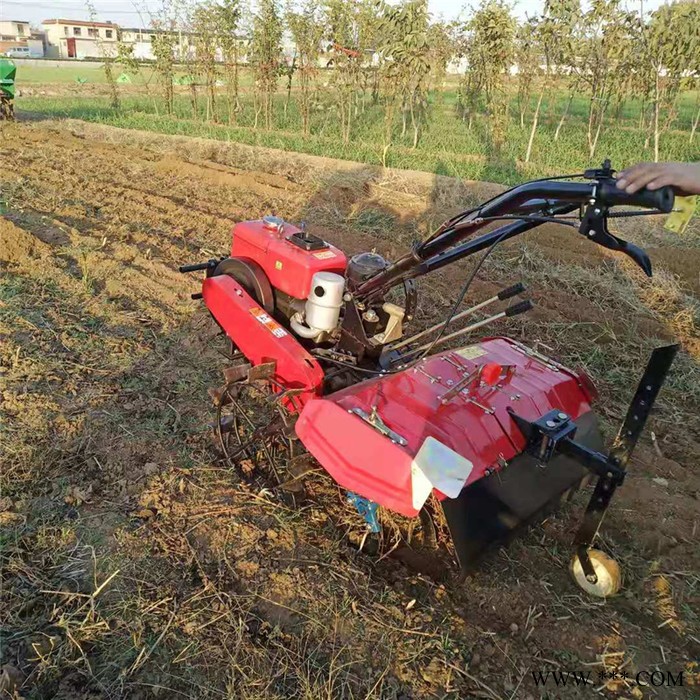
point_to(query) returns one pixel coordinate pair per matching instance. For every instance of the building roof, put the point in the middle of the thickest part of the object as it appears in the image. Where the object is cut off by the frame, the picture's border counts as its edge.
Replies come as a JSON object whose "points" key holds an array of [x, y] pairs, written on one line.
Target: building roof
{"points": [[80, 23]]}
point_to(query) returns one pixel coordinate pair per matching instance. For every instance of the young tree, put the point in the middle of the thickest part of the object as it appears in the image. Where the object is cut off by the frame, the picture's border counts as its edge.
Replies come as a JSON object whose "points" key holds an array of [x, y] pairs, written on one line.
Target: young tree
{"points": [[205, 26], [527, 60], [553, 38], [341, 32], [307, 32], [490, 54], [406, 66], [368, 39], [108, 59], [228, 22], [606, 64], [441, 49], [671, 46], [265, 57], [163, 44]]}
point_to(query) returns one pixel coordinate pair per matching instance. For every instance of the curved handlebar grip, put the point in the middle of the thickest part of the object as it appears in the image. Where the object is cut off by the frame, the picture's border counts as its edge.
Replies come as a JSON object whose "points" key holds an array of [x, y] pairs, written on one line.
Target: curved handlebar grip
{"points": [[662, 199], [520, 308], [511, 291]]}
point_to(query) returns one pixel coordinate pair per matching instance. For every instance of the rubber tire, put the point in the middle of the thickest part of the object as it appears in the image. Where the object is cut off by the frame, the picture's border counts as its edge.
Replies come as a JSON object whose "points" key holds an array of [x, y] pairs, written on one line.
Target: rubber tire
{"points": [[251, 277]]}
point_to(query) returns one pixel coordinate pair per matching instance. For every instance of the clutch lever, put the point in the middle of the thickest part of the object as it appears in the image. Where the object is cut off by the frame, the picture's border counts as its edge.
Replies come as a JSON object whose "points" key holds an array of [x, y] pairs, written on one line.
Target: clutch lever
{"points": [[594, 225]]}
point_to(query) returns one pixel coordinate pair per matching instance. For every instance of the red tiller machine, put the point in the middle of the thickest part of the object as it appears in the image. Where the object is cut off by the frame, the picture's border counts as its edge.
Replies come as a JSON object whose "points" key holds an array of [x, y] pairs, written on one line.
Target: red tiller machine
{"points": [[473, 441]]}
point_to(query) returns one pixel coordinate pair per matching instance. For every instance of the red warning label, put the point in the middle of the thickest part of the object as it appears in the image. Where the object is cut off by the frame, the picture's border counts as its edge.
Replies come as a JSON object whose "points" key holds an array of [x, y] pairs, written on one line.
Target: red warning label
{"points": [[268, 322]]}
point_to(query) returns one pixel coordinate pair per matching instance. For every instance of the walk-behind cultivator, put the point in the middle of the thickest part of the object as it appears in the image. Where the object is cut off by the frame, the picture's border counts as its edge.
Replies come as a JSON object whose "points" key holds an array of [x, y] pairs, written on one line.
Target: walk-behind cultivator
{"points": [[456, 449]]}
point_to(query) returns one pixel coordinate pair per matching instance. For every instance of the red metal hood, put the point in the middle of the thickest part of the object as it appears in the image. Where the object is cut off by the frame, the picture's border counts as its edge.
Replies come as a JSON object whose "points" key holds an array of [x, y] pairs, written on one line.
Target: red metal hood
{"points": [[421, 402]]}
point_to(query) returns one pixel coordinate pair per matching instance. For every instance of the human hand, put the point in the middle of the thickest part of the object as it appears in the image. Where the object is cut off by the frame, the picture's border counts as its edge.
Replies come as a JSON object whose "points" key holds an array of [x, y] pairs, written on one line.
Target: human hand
{"points": [[683, 177]]}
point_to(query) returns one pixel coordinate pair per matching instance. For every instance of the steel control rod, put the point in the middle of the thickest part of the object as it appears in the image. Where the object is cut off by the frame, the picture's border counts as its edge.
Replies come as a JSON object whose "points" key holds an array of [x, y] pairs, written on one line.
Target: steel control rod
{"points": [[507, 293]]}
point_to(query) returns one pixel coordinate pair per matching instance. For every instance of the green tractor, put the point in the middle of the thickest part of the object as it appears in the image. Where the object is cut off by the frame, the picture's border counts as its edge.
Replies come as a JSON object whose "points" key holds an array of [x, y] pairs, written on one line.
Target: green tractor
{"points": [[7, 89]]}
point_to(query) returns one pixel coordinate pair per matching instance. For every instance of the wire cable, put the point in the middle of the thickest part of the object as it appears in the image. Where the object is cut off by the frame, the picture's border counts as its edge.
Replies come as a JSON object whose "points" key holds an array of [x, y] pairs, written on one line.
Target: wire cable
{"points": [[460, 297]]}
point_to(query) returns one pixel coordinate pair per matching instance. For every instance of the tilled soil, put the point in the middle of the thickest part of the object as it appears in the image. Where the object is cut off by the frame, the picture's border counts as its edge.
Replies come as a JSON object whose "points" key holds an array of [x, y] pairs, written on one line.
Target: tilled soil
{"points": [[136, 564]]}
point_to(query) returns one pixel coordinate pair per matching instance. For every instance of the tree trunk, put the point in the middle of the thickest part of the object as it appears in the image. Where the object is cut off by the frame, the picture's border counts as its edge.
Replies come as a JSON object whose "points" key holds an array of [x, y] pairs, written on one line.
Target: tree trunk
{"points": [[696, 121], [535, 119], [415, 127], [193, 100], [656, 118], [564, 116], [594, 145], [589, 133]]}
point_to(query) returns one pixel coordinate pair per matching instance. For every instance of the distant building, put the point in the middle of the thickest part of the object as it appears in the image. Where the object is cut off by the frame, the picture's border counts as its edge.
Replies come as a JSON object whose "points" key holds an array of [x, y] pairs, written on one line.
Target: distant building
{"points": [[15, 34], [71, 38], [142, 41]]}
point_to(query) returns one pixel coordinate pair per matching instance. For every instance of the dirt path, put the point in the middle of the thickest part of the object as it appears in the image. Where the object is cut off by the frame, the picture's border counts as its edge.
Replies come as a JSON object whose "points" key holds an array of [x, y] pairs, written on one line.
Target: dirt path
{"points": [[136, 566]]}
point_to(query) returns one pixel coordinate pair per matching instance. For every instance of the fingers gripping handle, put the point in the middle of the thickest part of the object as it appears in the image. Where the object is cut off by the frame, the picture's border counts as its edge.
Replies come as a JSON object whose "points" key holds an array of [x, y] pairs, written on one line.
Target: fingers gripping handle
{"points": [[661, 199]]}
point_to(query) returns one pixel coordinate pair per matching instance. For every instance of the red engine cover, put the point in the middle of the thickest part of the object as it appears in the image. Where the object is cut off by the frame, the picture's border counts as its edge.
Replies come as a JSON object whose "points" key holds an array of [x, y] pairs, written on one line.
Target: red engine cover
{"points": [[415, 404], [288, 267]]}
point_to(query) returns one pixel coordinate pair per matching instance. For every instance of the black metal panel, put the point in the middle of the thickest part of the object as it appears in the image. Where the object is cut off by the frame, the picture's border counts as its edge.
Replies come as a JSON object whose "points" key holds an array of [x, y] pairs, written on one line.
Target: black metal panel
{"points": [[490, 510]]}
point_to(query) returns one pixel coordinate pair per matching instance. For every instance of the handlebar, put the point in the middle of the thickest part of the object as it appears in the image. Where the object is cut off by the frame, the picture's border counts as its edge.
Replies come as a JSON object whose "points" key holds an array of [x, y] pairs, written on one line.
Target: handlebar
{"points": [[604, 191], [196, 267], [548, 198], [661, 199]]}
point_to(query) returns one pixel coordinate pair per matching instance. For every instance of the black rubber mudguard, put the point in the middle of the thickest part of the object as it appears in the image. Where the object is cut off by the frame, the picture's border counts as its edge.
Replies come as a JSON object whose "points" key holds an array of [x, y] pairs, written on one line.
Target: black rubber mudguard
{"points": [[491, 510]]}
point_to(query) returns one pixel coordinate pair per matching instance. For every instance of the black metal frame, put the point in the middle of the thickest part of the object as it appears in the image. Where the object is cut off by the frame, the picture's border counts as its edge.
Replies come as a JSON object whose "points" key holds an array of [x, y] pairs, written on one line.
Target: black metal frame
{"points": [[553, 434]]}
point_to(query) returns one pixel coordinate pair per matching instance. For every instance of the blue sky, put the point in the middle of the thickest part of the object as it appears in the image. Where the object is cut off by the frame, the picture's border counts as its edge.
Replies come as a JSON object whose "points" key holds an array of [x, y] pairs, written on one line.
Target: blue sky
{"points": [[124, 12]]}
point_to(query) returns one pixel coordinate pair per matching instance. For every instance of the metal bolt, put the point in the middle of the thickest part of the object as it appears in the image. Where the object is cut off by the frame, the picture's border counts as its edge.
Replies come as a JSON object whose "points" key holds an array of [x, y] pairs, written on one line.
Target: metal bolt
{"points": [[592, 578], [562, 416], [596, 211], [592, 233], [550, 424]]}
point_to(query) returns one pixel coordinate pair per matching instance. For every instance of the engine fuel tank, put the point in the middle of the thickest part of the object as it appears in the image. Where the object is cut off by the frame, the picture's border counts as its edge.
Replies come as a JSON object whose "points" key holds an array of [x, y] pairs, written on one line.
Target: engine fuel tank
{"points": [[289, 257]]}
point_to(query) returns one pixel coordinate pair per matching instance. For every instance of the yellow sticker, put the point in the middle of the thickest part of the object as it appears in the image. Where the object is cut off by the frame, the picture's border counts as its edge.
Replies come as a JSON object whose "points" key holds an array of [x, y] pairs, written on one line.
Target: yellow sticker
{"points": [[471, 352], [278, 264], [684, 208], [324, 254]]}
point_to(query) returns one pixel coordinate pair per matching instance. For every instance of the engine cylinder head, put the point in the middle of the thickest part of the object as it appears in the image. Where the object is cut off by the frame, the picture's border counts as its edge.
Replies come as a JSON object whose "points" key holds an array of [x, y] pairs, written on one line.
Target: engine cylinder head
{"points": [[363, 266]]}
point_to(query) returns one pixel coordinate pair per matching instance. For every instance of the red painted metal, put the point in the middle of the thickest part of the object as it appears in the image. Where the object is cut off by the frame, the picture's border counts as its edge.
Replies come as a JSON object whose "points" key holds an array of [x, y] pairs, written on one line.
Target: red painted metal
{"points": [[288, 267], [415, 404], [259, 337]]}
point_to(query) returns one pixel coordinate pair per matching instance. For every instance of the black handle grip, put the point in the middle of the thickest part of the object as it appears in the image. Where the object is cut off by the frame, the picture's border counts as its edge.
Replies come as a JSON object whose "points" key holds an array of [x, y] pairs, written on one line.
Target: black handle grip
{"points": [[197, 266], [511, 291], [520, 308], [662, 199]]}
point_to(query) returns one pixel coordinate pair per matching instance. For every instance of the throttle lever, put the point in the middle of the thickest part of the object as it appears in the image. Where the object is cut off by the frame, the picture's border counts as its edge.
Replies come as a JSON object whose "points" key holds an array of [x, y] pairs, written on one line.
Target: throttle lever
{"points": [[594, 225]]}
